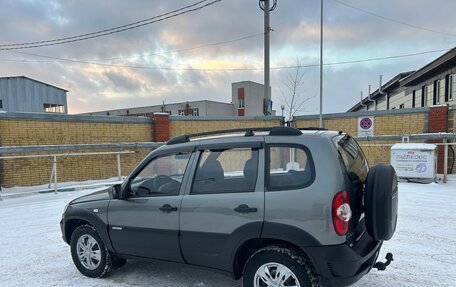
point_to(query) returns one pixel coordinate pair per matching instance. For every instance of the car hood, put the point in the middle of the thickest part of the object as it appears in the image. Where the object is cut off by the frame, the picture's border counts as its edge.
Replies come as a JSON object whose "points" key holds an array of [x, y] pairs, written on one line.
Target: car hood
{"points": [[96, 196]]}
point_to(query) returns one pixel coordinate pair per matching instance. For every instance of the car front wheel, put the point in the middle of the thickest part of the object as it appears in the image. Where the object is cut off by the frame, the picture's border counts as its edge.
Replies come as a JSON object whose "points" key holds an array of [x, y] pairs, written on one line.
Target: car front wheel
{"points": [[89, 252]]}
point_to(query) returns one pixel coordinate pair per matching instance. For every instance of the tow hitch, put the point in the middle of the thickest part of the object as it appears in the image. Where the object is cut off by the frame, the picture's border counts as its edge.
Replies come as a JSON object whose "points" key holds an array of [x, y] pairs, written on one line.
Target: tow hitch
{"points": [[382, 266]]}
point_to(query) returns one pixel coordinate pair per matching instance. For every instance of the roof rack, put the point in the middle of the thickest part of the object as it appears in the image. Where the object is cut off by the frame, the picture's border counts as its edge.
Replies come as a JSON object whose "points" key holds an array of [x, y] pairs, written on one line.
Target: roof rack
{"points": [[273, 131]]}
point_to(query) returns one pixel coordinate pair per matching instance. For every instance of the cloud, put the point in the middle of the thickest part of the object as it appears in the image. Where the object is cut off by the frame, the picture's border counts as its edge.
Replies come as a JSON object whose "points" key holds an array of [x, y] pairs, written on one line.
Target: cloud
{"points": [[349, 35]]}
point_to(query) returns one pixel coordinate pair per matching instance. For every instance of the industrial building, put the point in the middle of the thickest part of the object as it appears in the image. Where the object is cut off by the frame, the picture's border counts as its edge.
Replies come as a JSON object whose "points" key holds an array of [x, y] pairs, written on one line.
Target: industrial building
{"points": [[246, 100], [22, 94], [432, 84]]}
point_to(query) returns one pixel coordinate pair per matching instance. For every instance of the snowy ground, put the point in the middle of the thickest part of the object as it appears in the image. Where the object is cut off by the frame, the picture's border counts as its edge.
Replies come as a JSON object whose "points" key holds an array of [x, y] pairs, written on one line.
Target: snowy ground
{"points": [[32, 252]]}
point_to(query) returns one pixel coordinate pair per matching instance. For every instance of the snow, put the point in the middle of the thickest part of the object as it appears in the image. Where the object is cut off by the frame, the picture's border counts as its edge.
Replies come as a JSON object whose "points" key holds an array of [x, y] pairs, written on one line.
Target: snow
{"points": [[67, 186], [32, 252]]}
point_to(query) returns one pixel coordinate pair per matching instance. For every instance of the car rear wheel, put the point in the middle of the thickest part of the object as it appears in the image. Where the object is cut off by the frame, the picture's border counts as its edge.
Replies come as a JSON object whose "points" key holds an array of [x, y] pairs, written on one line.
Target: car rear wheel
{"points": [[381, 202], [278, 267], [89, 252]]}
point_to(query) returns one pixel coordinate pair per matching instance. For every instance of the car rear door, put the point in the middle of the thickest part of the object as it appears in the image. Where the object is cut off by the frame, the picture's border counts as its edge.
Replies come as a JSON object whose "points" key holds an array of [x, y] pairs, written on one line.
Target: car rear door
{"points": [[223, 207]]}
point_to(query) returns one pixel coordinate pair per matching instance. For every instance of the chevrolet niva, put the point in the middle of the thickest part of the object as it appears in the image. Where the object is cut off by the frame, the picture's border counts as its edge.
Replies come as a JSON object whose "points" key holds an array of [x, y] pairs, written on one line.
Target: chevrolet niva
{"points": [[274, 206]]}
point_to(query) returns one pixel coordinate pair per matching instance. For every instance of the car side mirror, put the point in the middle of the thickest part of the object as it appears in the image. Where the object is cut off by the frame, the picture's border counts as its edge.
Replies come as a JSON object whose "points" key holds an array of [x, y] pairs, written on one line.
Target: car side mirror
{"points": [[114, 191]]}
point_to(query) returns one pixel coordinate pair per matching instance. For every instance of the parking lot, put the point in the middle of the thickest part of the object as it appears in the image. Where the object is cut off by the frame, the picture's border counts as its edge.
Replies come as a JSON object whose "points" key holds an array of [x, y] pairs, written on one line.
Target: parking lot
{"points": [[32, 252]]}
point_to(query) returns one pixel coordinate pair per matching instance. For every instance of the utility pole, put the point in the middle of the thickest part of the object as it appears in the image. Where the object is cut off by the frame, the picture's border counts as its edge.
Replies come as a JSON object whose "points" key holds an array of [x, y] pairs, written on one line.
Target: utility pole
{"points": [[321, 64], [264, 5]]}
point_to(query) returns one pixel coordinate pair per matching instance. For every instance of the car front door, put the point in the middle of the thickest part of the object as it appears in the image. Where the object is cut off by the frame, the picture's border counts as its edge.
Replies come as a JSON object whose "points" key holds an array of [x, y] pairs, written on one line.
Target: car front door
{"points": [[146, 222], [224, 205]]}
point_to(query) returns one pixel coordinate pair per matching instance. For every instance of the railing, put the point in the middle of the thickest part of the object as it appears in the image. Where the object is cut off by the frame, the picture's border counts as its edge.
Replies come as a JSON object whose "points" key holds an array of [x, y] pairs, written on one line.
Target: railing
{"points": [[55, 151]]}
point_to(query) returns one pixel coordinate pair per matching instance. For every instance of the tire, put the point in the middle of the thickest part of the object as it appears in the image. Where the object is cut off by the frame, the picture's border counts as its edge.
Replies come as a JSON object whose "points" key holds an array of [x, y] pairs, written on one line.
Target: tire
{"points": [[295, 267], [381, 202], [89, 253]]}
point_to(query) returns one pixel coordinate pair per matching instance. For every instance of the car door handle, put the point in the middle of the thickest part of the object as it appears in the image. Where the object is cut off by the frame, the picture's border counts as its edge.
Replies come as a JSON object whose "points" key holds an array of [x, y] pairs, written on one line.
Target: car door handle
{"points": [[244, 208], [168, 208]]}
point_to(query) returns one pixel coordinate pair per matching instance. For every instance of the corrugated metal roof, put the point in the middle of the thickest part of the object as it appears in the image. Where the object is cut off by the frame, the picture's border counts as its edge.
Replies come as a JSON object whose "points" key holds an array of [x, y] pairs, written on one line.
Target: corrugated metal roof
{"points": [[24, 77]]}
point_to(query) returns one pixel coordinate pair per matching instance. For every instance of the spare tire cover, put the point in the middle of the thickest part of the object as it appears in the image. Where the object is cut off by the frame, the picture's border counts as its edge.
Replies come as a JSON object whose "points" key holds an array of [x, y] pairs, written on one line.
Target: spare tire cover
{"points": [[381, 202]]}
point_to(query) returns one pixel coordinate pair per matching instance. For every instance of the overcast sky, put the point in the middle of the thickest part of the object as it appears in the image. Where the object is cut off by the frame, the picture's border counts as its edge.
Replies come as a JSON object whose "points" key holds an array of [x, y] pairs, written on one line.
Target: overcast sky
{"points": [[164, 61]]}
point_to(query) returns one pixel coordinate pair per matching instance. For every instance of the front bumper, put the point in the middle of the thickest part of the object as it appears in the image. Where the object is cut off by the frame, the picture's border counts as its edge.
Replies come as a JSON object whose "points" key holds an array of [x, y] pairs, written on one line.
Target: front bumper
{"points": [[62, 229], [342, 265]]}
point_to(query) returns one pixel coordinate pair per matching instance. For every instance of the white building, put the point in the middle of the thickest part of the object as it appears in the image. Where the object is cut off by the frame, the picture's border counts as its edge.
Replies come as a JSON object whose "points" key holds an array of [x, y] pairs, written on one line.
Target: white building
{"points": [[246, 100], [432, 84]]}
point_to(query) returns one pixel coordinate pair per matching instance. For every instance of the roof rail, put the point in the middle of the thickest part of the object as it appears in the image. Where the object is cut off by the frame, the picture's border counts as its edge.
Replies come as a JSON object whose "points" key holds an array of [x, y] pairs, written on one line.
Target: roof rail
{"points": [[273, 131], [312, 129]]}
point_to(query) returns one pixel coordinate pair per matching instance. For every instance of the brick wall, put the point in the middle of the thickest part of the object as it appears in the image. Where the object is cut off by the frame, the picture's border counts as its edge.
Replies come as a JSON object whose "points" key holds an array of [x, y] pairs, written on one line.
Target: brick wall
{"points": [[25, 129], [438, 122], [161, 127], [39, 129]]}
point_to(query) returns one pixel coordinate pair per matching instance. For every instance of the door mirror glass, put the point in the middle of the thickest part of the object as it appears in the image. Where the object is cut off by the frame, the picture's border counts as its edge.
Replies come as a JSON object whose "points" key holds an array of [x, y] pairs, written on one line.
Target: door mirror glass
{"points": [[114, 191]]}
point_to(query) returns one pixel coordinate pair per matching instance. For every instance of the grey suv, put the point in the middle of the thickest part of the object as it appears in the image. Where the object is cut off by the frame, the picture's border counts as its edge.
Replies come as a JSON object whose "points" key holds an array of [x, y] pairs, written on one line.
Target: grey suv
{"points": [[277, 206]]}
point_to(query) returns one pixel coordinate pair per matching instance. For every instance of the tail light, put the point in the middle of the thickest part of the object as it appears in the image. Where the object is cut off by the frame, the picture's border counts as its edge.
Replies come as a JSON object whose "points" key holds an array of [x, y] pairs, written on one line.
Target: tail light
{"points": [[341, 212]]}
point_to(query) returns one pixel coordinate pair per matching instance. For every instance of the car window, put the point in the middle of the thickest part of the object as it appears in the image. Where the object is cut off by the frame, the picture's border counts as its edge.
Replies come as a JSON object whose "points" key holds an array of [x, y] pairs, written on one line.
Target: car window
{"points": [[226, 171], [289, 167], [161, 176], [353, 157]]}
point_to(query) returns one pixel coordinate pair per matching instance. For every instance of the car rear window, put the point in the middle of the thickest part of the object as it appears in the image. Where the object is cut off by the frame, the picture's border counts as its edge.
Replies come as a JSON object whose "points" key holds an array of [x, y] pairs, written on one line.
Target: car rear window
{"points": [[289, 167], [353, 157]]}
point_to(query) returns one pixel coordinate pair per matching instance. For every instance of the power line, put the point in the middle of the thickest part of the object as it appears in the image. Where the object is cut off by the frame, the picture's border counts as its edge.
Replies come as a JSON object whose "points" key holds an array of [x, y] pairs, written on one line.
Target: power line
{"points": [[238, 69], [188, 49], [102, 31], [148, 54], [155, 19], [393, 20]]}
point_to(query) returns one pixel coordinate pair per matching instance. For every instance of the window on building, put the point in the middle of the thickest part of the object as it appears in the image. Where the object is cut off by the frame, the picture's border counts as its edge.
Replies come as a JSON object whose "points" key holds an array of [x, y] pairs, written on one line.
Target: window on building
{"points": [[423, 96], [448, 88], [53, 108], [1, 104], [241, 103], [436, 93], [188, 112], [413, 99]]}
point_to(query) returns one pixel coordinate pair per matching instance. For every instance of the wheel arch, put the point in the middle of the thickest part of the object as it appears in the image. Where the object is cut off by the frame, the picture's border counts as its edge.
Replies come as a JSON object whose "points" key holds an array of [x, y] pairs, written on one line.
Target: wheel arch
{"points": [[78, 217], [249, 247]]}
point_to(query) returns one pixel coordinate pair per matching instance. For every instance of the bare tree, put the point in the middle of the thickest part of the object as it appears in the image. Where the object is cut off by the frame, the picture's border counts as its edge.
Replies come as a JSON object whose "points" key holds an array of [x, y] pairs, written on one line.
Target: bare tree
{"points": [[293, 97]]}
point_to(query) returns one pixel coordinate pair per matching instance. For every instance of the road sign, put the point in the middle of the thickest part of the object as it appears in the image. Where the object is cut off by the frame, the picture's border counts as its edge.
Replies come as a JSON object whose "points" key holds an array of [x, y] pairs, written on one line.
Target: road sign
{"points": [[365, 126]]}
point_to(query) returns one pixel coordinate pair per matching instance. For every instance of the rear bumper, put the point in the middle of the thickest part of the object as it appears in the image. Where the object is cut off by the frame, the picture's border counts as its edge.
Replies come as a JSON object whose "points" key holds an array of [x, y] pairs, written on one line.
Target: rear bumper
{"points": [[342, 265]]}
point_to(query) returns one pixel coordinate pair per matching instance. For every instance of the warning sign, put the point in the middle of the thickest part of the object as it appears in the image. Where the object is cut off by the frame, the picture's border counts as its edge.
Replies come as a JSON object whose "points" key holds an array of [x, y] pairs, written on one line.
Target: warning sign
{"points": [[365, 126]]}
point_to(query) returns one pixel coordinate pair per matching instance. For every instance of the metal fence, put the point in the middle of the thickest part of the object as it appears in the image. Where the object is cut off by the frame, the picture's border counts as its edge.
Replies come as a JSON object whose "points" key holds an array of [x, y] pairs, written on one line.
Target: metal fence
{"points": [[82, 150]]}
